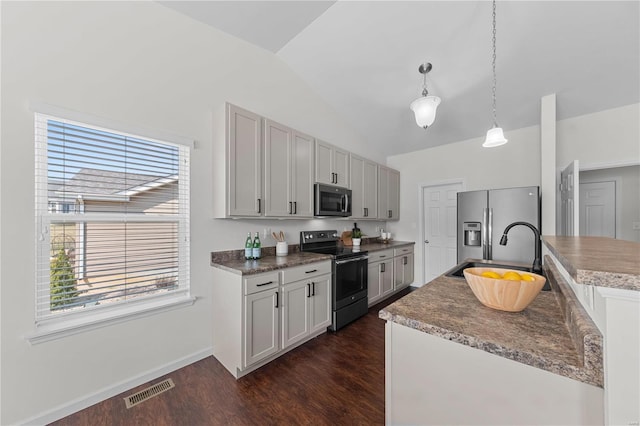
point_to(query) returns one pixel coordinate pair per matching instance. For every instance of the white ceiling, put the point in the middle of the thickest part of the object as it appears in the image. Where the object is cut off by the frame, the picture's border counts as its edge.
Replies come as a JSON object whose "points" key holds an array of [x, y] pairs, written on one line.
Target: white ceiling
{"points": [[362, 58]]}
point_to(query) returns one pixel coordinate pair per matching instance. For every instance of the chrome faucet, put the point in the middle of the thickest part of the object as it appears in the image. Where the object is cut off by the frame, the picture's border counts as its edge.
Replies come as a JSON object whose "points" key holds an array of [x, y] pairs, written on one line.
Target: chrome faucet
{"points": [[537, 263]]}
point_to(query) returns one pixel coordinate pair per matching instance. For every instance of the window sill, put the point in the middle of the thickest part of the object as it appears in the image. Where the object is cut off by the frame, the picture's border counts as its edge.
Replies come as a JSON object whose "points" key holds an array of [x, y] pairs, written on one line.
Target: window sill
{"points": [[58, 329]]}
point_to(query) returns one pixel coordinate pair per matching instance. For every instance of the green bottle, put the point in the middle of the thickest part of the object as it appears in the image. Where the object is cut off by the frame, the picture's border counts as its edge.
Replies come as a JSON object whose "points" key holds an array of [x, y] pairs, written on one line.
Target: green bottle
{"points": [[248, 247], [256, 247]]}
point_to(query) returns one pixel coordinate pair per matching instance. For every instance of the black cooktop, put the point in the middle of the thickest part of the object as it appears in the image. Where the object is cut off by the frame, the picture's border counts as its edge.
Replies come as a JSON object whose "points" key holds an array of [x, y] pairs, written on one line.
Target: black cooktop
{"points": [[327, 242], [339, 251]]}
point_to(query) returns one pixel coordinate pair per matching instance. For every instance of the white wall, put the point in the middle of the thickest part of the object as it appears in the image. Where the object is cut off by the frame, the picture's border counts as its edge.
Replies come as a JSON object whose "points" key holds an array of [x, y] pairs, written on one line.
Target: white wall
{"points": [[602, 139], [515, 164], [143, 64]]}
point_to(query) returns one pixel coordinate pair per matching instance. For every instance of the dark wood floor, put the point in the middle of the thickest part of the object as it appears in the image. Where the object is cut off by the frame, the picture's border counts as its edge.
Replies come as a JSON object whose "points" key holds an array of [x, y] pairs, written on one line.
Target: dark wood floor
{"points": [[335, 379]]}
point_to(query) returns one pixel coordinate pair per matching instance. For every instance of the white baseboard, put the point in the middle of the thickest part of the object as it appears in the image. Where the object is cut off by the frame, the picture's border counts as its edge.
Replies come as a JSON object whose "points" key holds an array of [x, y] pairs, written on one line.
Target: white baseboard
{"points": [[106, 393]]}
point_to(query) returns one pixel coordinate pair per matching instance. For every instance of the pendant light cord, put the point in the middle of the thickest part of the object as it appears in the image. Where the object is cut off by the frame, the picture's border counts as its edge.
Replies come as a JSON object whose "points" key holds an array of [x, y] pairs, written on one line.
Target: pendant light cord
{"points": [[495, 121], [424, 83]]}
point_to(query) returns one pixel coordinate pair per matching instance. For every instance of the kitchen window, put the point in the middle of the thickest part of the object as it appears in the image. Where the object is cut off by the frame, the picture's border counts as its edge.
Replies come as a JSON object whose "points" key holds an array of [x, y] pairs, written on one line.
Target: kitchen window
{"points": [[112, 224]]}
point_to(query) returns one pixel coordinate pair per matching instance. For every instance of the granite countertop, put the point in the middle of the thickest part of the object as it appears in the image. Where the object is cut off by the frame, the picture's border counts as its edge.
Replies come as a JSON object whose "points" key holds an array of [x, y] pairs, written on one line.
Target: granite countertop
{"points": [[374, 245], [599, 261], [270, 262], [553, 333], [234, 261]]}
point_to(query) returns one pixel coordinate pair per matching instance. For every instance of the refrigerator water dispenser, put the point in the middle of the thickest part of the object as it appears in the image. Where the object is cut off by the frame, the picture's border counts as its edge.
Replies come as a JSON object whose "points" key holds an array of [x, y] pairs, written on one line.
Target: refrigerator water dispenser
{"points": [[472, 234]]}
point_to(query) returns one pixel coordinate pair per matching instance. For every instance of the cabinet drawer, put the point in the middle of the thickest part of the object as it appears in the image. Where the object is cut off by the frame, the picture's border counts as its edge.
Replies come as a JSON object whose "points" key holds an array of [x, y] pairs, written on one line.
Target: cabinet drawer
{"points": [[256, 283], [402, 250], [377, 256], [298, 273]]}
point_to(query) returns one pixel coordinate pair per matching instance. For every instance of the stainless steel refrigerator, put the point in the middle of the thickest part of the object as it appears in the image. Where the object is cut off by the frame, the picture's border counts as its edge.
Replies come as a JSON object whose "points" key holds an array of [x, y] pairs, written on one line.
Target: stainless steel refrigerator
{"points": [[483, 216]]}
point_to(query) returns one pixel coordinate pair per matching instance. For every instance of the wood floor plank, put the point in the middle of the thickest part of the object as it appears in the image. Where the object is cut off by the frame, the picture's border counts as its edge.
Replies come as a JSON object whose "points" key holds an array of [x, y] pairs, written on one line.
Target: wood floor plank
{"points": [[335, 379]]}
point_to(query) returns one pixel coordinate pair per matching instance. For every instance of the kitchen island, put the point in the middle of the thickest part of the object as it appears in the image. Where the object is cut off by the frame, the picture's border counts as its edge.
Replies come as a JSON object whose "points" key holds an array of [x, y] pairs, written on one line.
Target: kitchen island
{"points": [[451, 360], [604, 274]]}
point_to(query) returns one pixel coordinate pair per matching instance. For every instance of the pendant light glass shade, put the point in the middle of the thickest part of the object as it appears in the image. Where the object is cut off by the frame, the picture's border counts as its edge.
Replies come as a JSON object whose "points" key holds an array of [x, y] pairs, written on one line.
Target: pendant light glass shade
{"points": [[425, 110], [495, 137]]}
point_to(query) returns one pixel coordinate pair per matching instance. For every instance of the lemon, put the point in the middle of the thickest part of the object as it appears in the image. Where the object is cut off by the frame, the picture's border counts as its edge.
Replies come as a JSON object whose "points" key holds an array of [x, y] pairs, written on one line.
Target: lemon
{"points": [[491, 274], [526, 277], [512, 276]]}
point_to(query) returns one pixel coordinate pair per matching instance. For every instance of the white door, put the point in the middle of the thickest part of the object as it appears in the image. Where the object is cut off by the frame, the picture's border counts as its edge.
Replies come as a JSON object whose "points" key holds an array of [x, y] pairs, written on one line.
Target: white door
{"points": [[598, 209], [569, 200], [439, 228]]}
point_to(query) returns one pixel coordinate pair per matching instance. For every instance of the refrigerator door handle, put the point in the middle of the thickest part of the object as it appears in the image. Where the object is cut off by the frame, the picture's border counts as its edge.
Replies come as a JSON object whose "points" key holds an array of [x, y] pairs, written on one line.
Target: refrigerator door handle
{"points": [[485, 245], [490, 234]]}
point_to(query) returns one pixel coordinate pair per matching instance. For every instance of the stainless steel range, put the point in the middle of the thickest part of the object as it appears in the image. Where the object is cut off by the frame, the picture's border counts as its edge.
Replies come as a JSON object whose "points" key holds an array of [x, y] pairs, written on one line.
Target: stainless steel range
{"points": [[349, 275]]}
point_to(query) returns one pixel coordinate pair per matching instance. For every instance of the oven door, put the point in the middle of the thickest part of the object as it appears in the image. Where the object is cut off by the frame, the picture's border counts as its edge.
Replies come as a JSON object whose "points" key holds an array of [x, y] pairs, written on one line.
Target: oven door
{"points": [[332, 201], [349, 280]]}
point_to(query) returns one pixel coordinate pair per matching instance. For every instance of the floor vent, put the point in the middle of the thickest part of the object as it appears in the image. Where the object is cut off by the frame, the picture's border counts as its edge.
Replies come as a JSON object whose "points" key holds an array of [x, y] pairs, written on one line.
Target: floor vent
{"points": [[148, 393]]}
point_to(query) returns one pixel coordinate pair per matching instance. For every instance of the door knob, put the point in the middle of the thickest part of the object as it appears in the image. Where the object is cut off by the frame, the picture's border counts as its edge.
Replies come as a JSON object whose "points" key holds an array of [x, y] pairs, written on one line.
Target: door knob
{"points": [[426, 241]]}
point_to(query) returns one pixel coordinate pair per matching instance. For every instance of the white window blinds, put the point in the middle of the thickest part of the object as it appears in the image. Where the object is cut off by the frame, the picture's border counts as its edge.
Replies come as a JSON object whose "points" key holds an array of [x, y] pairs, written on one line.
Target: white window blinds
{"points": [[112, 218]]}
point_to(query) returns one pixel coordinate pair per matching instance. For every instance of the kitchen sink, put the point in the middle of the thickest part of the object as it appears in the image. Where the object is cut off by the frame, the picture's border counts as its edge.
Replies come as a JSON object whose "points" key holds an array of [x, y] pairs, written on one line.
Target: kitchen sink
{"points": [[457, 271]]}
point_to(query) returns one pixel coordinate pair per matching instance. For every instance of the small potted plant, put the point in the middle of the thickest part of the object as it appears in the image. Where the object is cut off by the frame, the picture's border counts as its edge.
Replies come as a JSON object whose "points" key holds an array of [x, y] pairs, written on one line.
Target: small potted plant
{"points": [[356, 236]]}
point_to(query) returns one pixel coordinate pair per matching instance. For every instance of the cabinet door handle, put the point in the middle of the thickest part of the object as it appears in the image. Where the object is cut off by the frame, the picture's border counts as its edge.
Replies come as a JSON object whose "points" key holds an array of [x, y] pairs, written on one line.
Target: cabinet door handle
{"points": [[259, 206], [277, 299], [290, 207], [313, 286], [311, 271], [366, 213], [382, 267], [308, 290], [267, 283], [404, 260], [389, 213], [295, 207], [382, 255]]}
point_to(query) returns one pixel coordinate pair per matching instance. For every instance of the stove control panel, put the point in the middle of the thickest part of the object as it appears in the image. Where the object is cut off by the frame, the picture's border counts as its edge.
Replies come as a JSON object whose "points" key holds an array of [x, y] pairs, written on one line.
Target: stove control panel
{"points": [[318, 236]]}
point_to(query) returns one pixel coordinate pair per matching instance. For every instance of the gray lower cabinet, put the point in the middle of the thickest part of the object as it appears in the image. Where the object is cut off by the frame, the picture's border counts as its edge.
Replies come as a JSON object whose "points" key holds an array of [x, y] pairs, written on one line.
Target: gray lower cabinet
{"points": [[261, 326], [380, 283], [258, 317], [306, 302], [402, 267]]}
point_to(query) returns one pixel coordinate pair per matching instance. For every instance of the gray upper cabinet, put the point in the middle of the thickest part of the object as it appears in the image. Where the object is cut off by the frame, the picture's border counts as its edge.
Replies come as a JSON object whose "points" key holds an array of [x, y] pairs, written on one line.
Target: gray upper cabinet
{"points": [[288, 169], [267, 169], [244, 162], [364, 185], [332, 164], [302, 164], [388, 193]]}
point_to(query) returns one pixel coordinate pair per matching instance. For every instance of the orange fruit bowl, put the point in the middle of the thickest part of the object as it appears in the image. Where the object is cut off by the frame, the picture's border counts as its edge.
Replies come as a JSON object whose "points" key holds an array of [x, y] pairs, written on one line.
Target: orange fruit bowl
{"points": [[504, 289]]}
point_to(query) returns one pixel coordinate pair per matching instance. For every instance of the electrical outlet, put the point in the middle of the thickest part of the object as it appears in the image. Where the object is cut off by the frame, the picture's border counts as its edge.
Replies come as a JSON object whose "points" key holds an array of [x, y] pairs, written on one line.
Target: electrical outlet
{"points": [[266, 232], [636, 226]]}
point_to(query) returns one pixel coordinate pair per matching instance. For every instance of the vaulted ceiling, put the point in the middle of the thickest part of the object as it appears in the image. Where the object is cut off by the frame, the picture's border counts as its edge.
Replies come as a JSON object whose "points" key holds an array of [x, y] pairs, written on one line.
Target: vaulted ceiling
{"points": [[362, 58]]}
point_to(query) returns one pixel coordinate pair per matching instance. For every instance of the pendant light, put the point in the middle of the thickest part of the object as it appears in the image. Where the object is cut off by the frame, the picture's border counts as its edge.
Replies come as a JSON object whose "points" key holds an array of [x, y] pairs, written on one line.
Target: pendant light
{"points": [[495, 136], [425, 107]]}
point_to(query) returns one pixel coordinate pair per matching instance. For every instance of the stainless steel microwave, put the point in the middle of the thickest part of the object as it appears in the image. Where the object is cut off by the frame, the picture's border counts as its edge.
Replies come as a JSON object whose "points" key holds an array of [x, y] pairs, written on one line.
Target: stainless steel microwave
{"points": [[332, 201]]}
